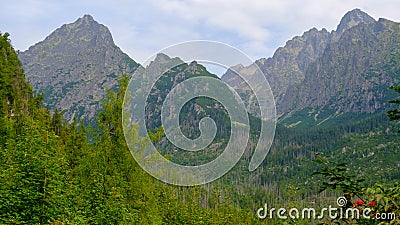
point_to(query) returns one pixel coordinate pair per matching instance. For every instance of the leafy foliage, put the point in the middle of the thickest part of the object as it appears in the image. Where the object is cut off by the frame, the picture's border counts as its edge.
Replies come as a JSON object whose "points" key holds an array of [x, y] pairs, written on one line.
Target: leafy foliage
{"points": [[383, 201], [338, 178]]}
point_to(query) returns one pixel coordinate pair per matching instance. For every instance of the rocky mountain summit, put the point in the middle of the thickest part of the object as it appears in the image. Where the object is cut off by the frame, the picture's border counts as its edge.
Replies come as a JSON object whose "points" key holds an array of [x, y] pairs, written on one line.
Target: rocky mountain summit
{"points": [[75, 65], [347, 70], [354, 73], [353, 18]]}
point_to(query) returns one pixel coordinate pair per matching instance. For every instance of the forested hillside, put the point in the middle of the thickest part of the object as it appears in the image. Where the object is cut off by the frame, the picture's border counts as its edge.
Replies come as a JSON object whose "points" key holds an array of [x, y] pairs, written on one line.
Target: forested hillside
{"points": [[51, 174]]}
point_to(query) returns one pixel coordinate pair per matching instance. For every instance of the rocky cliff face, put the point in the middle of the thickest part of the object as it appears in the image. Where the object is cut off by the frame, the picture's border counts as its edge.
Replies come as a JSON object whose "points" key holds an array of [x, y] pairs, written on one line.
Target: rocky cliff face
{"points": [[347, 70], [353, 73], [75, 65], [288, 65]]}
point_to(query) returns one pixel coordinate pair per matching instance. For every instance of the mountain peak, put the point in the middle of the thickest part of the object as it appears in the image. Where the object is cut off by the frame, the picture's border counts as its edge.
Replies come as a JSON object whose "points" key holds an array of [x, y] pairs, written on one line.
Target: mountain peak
{"points": [[86, 20], [353, 18], [84, 33], [81, 56], [87, 23], [162, 61], [162, 57], [87, 17]]}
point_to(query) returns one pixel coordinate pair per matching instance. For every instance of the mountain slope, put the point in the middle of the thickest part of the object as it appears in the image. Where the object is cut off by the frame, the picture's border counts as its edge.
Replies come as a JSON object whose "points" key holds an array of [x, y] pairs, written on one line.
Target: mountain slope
{"points": [[74, 66], [353, 74], [343, 71], [194, 110], [288, 65]]}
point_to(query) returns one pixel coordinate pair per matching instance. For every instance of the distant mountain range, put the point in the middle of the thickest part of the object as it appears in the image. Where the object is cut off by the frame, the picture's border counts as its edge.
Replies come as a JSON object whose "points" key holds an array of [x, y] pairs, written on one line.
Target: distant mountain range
{"points": [[322, 75], [318, 76]]}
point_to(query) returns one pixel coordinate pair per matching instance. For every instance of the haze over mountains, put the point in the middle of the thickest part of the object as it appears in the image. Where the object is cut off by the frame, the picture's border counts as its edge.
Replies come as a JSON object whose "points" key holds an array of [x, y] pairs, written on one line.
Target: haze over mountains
{"points": [[318, 73]]}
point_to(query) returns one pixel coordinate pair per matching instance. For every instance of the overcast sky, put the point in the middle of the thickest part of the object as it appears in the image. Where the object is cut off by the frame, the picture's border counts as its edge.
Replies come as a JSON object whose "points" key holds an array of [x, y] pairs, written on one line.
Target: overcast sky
{"points": [[141, 28]]}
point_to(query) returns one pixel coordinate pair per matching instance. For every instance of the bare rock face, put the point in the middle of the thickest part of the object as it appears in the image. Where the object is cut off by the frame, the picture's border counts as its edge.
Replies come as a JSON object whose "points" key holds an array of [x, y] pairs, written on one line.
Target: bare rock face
{"points": [[347, 70], [353, 18], [354, 73], [288, 65], [75, 65]]}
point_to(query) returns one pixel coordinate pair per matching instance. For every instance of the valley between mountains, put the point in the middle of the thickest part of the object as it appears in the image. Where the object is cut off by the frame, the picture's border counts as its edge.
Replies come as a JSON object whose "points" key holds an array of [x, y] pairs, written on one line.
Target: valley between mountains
{"points": [[64, 158]]}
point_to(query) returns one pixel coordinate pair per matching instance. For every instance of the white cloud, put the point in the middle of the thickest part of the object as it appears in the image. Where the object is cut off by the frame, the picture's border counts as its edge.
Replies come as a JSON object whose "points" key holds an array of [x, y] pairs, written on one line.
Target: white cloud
{"points": [[264, 25]]}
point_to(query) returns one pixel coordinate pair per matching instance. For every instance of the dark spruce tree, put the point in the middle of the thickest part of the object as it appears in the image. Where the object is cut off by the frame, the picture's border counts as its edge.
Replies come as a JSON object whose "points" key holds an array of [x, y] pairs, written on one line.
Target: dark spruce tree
{"points": [[394, 114]]}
